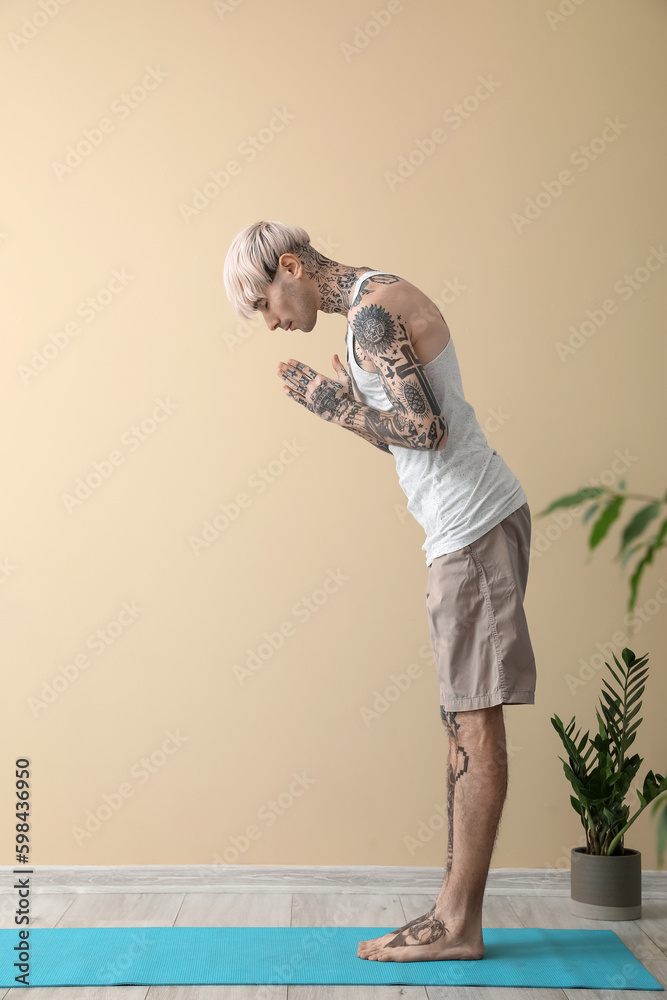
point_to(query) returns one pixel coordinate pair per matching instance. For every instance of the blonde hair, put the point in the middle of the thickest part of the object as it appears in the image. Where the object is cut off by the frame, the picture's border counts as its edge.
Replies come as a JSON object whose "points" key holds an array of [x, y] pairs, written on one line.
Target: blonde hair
{"points": [[252, 261]]}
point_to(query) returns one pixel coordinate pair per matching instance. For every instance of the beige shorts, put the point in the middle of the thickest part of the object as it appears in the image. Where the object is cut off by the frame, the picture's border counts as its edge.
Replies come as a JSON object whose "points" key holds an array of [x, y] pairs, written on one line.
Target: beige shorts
{"points": [[479, 633]]}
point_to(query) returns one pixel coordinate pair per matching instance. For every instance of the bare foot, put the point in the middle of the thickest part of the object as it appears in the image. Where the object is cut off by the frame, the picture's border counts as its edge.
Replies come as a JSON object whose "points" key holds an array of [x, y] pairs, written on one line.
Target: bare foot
{"points": [[426, 938]]}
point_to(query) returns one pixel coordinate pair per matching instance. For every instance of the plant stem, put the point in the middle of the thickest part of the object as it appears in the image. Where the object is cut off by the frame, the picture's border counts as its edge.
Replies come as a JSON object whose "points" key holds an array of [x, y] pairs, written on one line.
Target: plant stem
{"points": [[634, 496]]}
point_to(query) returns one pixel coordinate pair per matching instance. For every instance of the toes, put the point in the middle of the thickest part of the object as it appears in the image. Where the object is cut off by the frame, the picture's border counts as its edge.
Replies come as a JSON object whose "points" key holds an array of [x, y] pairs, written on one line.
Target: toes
{"points": [[370, 954], [373, 944]]}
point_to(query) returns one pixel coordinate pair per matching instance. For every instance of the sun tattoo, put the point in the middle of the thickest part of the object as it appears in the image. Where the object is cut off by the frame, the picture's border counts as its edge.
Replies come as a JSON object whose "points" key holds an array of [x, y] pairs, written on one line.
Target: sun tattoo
{"points": [[374, 328]]}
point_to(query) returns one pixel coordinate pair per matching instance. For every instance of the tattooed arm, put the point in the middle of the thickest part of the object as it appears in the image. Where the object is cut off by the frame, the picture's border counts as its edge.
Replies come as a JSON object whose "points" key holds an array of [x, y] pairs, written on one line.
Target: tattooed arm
{"points": [[345, 382], [382, 445], [329, 400], [415, 420], [380, 427]]}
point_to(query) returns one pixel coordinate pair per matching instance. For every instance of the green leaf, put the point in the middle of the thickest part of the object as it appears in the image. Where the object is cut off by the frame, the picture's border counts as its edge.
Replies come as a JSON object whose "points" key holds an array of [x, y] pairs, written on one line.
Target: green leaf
{"points": [[605, 520], [638, 522], [616, 677], [633, 696], [589, 513], [573, 752], [577, 805], [661, 534], [646, 560], [653, 786], [628, 554], [574, 499], [638, 678]]}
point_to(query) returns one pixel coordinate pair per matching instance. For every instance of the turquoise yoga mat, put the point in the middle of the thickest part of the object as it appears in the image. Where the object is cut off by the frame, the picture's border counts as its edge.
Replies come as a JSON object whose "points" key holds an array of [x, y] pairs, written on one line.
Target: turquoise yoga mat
{"points": [[114, 956]]}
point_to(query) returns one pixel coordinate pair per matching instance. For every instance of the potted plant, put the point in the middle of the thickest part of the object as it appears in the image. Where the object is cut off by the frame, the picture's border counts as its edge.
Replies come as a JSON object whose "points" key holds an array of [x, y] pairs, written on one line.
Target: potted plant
{"points": [[605, 877], [611, 501]]}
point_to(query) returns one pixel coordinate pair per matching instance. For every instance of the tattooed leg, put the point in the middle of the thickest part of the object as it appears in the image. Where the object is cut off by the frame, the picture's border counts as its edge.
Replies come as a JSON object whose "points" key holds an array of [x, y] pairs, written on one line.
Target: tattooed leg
{"points": [[457, 765], [476, 788]]}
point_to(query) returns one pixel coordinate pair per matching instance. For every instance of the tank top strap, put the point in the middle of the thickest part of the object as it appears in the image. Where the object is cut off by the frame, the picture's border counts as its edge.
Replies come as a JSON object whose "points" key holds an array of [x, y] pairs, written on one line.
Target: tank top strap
{"points": [[361, 277]]}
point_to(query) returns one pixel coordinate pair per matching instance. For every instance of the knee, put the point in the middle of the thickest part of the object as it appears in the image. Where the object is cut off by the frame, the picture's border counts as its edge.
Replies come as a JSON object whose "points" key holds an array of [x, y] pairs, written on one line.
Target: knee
{"points": [[484, 725], [484, 728], [479, 720]]}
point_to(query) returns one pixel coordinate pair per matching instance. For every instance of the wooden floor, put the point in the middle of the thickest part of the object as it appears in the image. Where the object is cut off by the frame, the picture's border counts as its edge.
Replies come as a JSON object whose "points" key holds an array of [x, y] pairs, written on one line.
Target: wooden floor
{"points": [[646, 938]]}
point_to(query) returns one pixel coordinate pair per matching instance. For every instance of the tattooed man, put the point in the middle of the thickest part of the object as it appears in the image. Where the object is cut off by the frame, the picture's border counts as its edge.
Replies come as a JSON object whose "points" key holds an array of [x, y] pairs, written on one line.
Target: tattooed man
{"points": [[400, 389]]}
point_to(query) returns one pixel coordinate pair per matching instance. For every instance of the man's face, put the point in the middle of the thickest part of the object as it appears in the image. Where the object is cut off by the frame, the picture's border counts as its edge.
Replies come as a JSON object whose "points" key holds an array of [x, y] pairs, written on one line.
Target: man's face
{"points": [[290, 298]]}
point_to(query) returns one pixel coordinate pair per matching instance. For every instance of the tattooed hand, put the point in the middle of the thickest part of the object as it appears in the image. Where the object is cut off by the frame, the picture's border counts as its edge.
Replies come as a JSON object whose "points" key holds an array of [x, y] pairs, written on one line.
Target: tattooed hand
{"points": [[343, 375], [319, 394]]}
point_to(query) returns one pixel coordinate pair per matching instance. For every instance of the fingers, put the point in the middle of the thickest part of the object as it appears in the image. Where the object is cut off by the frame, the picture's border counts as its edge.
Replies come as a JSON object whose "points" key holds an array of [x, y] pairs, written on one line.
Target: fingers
{"points": [[294, 367], [297, 379], [300, 366], [340, 367]]}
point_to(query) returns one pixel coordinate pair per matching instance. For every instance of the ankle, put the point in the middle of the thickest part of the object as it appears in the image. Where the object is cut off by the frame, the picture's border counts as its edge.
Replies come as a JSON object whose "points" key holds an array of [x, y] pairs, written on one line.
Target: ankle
{"points": [[459, 919]]}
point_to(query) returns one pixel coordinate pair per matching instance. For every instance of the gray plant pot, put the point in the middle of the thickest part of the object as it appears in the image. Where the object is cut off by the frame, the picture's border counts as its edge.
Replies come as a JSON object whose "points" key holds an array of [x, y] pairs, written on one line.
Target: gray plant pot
{"points": [[606, 888]]}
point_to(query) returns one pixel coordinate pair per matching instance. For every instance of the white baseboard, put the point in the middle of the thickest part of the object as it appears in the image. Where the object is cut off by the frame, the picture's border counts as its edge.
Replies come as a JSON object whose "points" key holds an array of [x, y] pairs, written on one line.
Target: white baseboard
{"points": [[294, 878]]}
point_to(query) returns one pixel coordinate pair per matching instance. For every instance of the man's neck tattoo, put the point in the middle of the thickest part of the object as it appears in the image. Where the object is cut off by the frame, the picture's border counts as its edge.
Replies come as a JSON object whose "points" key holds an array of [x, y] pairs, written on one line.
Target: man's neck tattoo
{"points": [[335, 281]]}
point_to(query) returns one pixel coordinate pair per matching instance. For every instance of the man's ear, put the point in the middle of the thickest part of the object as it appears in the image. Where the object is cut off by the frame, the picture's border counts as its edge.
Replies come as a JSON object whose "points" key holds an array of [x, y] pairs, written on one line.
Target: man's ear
{"points": [[290, 262]]}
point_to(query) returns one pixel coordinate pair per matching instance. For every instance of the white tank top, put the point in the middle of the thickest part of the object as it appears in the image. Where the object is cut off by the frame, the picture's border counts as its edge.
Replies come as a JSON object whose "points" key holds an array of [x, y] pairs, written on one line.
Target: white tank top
{"points": [[461, 492]]}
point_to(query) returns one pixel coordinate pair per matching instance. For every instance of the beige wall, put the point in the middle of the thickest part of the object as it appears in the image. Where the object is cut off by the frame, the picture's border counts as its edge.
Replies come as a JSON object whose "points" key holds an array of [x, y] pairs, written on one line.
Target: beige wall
{"points": [[166, 353]]}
